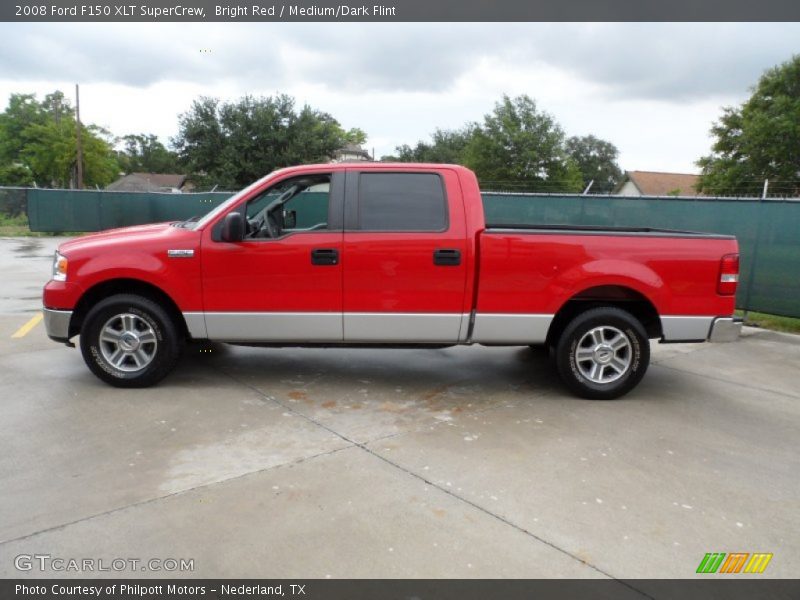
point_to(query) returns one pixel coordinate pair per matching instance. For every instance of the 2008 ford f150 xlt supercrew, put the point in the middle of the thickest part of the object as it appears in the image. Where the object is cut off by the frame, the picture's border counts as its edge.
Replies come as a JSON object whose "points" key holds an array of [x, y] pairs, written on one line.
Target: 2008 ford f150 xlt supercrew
{"points": [[387, 255]]}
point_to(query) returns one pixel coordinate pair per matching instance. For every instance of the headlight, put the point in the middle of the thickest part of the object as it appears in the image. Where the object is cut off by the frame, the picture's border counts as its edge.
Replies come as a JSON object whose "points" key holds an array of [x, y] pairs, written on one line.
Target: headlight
{"points": [[59, 267]]}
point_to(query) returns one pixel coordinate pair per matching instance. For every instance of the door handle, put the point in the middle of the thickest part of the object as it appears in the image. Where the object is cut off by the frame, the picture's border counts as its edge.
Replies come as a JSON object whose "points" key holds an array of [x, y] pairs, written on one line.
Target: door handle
{"points": [[446, 257], [324, 256]]}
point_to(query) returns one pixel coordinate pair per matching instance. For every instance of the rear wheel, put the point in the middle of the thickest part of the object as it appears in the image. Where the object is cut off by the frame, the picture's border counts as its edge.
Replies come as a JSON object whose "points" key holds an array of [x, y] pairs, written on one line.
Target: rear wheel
{"points": [[603, 353], [130, 341]]}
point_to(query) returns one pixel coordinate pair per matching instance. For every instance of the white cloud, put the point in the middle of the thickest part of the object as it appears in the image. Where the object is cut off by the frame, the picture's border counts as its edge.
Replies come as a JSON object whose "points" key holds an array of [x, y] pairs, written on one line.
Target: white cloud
{"points": [[652, 89]]}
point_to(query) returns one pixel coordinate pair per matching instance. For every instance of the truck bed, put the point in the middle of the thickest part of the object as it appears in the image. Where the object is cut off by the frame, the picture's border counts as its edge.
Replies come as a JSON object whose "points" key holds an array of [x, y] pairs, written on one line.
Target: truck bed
{"points": [[527, 273], [599, 230]]}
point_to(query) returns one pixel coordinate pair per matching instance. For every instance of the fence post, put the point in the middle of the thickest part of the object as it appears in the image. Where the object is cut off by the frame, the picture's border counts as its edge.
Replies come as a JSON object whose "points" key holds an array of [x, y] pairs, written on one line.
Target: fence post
{"points": [[755, 251]]}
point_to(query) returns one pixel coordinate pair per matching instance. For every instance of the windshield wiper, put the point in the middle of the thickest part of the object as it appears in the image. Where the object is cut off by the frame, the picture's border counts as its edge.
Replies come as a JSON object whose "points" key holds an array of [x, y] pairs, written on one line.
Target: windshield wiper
{"points": [[185, 224]]}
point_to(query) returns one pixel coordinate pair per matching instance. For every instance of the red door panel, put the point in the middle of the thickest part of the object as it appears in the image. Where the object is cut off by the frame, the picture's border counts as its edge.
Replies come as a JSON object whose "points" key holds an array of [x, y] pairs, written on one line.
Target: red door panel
{"points": [[393, 290], [273, 275]]}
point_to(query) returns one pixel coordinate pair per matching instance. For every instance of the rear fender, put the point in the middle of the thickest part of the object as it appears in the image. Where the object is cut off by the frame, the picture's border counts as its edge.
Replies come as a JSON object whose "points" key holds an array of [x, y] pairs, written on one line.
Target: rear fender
{"points": [[610, 272]]}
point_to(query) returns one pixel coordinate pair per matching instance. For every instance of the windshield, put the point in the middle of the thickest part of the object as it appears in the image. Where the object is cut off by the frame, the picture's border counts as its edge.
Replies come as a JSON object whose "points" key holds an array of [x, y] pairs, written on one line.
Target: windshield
{"points": [[230, 202]]}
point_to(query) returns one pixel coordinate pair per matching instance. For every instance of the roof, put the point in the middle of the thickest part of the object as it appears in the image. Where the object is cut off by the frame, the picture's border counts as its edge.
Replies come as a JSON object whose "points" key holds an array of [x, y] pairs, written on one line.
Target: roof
{"points": [[352, 149], [368, 166], [654, 183], [147, 182]]}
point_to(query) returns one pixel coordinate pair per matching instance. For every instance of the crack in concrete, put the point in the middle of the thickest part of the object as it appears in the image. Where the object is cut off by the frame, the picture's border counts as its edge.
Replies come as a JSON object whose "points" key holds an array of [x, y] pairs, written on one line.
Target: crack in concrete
{"points": [[450, 493], [755, 388], [350, 444], [171, 495]]}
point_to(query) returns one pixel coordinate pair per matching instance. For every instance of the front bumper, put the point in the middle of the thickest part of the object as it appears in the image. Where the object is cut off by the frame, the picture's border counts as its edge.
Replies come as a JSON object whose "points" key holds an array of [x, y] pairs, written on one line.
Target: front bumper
{"points": [[725, 329], [56, 323]]}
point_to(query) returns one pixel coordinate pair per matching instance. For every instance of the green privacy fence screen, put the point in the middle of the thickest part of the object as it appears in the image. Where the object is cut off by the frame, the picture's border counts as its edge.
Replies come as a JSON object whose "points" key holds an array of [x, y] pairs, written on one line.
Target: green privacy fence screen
{"points": [[768, 230], [74, 210]]}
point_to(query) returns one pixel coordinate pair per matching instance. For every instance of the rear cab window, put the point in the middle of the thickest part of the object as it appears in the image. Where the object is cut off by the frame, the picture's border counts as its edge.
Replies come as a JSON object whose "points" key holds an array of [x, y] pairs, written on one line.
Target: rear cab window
{"points": [[401, 202]]}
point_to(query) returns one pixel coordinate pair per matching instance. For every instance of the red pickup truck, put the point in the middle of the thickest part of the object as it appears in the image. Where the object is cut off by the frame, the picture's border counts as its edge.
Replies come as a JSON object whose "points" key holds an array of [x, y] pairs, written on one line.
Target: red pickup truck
{"points": [[387, 255]]}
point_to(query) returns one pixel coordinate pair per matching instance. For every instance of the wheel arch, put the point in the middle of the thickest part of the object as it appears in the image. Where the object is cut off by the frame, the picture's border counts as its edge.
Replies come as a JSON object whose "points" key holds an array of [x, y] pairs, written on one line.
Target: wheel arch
{"points": [[111, 287], [620, 296]]}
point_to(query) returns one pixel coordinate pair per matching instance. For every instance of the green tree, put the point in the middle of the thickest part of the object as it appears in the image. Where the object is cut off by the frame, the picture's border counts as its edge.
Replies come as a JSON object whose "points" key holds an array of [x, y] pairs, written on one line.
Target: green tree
{"points": [[39, 138], [23, 111], [597, 161], [519, 144], [16, 175], [758, 140], [356, 136], [313, 136], [233, 144], [144, 153], [447, 146], [200, 143]]}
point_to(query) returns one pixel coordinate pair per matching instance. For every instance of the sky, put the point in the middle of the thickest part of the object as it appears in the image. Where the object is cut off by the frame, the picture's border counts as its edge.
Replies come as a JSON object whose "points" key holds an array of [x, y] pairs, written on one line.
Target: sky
{"points": [[652, 89]]}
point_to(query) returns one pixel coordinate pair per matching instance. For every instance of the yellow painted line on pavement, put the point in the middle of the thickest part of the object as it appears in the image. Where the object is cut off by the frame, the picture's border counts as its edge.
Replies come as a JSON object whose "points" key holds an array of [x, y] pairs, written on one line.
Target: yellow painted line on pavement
{"points": [[25, 329]]}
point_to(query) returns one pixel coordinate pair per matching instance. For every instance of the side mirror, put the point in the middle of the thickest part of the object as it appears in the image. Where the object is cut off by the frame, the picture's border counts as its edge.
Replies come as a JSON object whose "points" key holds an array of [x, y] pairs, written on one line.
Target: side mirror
{"points": [[232, 227]]}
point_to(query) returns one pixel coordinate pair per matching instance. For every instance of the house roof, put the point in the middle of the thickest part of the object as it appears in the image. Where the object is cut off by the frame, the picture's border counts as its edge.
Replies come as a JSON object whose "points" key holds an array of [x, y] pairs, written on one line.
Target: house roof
{"points": [[147, 182], [654, 183], [351, 149]]}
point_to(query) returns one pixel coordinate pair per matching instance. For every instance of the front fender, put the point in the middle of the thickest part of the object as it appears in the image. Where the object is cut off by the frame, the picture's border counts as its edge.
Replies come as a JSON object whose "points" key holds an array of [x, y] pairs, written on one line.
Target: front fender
{"points": [[178, 278]]}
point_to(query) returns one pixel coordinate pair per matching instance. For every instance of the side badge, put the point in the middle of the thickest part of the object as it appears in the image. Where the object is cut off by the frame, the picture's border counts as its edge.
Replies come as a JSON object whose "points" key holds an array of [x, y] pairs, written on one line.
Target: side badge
{"points": [[180, 253]]}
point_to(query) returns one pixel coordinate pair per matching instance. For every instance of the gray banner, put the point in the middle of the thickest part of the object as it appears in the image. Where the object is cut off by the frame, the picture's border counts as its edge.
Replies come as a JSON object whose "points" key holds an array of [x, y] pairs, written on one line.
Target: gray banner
{"points": [[736, 588], [399, 10]]}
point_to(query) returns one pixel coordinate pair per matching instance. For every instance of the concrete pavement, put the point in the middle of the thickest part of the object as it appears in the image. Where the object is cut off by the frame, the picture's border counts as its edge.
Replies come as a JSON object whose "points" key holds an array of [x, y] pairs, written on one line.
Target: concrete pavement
{"points": [[465, 462]]}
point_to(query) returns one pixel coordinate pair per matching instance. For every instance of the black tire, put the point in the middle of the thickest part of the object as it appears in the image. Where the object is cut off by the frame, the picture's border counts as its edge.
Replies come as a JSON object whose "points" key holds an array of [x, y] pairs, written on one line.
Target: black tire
{"points": [[139, 361], [597, 363], [541, 350]]}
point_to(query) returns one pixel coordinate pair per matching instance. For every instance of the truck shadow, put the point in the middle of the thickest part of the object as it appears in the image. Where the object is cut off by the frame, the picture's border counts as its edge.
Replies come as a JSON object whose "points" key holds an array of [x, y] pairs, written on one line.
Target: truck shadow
{"points": [[390, 379]]}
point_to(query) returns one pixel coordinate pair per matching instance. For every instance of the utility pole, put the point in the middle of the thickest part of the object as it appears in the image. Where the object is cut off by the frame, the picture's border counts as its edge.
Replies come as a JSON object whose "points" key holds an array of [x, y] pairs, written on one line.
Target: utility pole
{"points": [[57, 111], [78, 138]]}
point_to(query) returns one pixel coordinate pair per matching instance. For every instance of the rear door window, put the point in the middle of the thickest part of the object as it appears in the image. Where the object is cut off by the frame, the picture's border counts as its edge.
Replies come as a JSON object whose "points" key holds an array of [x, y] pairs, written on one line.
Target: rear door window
{"points": [[401, 202]]}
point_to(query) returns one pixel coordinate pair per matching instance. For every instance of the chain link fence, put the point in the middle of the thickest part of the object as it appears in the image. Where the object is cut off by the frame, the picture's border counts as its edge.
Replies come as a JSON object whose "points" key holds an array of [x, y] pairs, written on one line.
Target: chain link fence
{"points": [[13, 202]]}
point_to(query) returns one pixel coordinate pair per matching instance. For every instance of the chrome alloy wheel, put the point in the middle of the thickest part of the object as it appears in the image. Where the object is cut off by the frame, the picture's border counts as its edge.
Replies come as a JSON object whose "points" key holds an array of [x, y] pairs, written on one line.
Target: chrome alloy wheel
{"points": [[603, 354], [128, 342]]}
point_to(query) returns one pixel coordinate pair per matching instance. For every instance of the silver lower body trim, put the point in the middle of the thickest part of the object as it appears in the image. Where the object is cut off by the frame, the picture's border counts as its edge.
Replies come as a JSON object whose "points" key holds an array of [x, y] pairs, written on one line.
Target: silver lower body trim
{"points": [[412, 328], [463, 332], [510, 328], [56, 323], [450, 328], [418, 328], [725, 329], [196, 324], [273, 327], [402, 327], [686, 329]]}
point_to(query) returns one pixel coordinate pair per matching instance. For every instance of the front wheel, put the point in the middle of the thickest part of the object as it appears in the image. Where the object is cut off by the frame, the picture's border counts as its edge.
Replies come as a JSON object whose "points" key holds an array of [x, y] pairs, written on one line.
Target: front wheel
{"points": [[130, 341], [603, 353]]}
